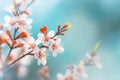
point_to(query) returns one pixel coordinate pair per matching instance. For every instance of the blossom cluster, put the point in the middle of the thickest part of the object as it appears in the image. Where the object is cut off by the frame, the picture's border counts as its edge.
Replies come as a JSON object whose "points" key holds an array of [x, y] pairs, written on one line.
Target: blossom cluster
{"points": [[73, 72], [76, 72], [15, 34]]}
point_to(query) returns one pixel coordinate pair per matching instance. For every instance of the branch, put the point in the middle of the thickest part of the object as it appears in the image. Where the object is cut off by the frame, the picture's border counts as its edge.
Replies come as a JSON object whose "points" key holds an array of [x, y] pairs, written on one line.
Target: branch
{"points": [[7, 57], [29, 53], [15, 33], [11, 48]]}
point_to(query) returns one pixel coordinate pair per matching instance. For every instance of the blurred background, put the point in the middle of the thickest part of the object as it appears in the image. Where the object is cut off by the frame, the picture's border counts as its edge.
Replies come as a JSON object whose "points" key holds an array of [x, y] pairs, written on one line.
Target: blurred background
{"points": [[92, 21]]}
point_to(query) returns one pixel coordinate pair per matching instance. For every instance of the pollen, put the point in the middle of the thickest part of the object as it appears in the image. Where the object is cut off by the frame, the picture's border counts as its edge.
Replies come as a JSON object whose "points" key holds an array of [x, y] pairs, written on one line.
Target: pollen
{"points": [[68, 26]]}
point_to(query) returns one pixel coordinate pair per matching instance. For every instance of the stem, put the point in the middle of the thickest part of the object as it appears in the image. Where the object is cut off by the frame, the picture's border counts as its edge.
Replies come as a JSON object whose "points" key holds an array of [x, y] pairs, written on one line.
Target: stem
{"points": [[29, 53], [10, 47], [7, 57], [32, 1], [15, 33], [1, 54], [17, 60], [43, 46]]}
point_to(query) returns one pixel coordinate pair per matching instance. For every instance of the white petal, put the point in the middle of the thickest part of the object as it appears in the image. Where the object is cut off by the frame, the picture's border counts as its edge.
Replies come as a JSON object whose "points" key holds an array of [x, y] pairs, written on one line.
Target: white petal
{"points": [[43, 50], [7, 19], [28, 26], [24, 16], [29, 21], [30, 40], [1, 31], [50, 48], [82, 63], [38, 42], [60, 76], [54, 53], [39, 61], [99, 65], [88, 55], [9, 8], [60, 50], [58, 40], [44, 61], [41, 37], [51, 34]]}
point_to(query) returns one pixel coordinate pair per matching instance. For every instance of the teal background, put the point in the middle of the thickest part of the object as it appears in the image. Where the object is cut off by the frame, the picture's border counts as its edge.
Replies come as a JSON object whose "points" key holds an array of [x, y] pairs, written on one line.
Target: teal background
{"points": [[92, 21]]}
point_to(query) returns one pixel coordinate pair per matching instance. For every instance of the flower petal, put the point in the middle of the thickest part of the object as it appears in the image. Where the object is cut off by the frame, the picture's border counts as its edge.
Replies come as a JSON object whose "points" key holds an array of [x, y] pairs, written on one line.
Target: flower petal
{"points": [[7, 19], [88, 55], [44, 61], [54, 53], [60, 76], [51, 34], [60, 50], [29, 21], [39, 61]]}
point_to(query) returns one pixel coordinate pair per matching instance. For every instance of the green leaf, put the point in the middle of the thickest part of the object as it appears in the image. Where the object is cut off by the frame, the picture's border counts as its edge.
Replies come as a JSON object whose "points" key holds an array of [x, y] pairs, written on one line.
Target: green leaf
{"points": [[96, 47]]}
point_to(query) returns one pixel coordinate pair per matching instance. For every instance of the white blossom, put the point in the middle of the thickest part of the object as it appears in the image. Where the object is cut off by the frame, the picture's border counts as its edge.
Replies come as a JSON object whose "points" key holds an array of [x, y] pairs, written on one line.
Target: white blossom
{"points": [[94, 60], [20, 21], [41, 56], [56, 47], [45, 39]]}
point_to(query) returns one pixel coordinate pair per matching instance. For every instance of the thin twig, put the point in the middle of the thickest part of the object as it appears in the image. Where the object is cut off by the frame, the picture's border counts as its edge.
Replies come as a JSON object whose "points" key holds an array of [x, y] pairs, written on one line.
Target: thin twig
{"points": [[15, 33], [29, 53], [17, 60], [8, 57], [32, 1], [1, 53], [10, 48]]}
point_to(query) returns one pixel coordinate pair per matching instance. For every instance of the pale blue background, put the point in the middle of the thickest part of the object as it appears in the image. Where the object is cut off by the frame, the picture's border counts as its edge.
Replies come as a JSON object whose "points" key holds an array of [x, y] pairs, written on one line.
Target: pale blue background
{"points": [[92, 21]]}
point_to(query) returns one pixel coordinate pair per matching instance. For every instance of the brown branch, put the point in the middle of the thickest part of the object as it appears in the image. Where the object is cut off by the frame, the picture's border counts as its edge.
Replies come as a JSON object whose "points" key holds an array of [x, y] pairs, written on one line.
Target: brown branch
{"points": [[15, 33], [32, 1], [29, 53], [11, 48], [1, 53], [7, 57]]}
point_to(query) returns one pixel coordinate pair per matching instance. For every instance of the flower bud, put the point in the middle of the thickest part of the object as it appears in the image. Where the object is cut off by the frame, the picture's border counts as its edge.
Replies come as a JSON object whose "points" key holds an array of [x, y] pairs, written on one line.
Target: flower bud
{"points": [[43, 29], [8, 32], [23, 34], [14, 42], [68, 26], [20, 45]]}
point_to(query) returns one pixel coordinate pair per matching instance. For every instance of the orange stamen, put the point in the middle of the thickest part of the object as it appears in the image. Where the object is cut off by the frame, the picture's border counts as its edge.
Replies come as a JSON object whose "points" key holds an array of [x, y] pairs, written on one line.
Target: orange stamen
{"points": [[20, 45], [43, 29], [5, 40], [1, 40], [25, 12], [23, 34], [11, 58], [8, 32], [14, 42]]}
